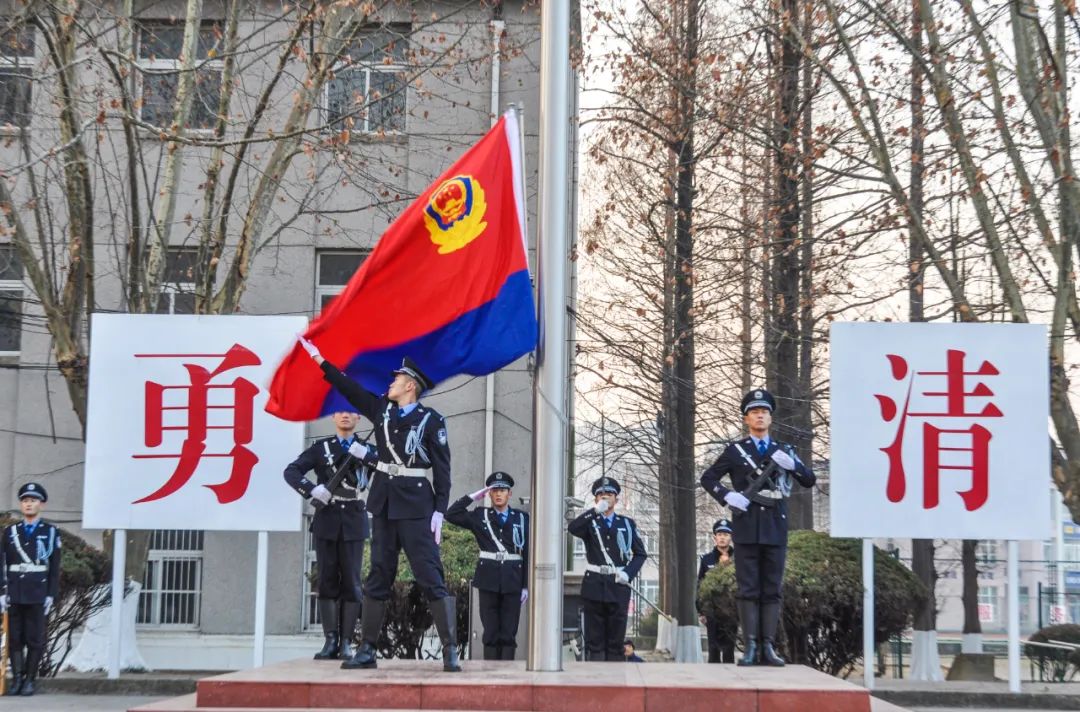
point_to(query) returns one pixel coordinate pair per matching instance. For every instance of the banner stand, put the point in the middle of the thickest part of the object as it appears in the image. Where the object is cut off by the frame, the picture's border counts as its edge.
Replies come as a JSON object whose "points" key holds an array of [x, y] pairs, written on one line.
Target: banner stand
{"points": [[260, 599], [119, 564], [868, 612]]}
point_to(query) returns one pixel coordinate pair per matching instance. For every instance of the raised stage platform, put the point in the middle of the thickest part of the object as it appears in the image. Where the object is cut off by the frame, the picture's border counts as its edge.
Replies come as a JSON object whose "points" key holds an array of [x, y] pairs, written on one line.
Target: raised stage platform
{"points": [[504, 686]]}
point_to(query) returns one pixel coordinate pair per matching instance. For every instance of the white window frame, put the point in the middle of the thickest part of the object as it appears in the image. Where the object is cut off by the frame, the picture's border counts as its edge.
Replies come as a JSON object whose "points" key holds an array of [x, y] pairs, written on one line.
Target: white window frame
{"points": [[986, 552], [172, 289], [331, 290], [362, 124], [8, 61], [988, 596], [158, 65], [14, 285], [180, 548]]}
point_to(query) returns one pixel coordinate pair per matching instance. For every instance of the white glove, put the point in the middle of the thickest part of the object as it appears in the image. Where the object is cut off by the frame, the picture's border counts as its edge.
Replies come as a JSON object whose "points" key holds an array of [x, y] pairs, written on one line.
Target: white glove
{"points": [[603, 506], [785, 461], [524, 595], [312, 349], [736, 501], [5, 601], [359, 450], [48, 604], [479, 494], [621, 577], [436, 526], [320, 493]]}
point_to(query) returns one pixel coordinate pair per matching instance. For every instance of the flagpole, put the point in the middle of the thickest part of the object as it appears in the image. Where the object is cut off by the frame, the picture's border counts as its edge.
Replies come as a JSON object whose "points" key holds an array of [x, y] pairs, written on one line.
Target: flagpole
{"points": [[550, 387]]}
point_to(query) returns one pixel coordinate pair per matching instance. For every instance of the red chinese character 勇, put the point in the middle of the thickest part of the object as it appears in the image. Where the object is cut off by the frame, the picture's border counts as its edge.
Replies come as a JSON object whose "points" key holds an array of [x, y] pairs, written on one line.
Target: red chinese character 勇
{"points": [[938, 440], [196, 426]]}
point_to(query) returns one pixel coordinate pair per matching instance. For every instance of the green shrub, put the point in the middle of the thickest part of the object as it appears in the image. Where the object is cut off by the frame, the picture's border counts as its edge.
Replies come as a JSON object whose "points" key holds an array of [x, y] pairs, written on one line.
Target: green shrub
{"points": [[1058, 665], [822, 609], [648, 624]]}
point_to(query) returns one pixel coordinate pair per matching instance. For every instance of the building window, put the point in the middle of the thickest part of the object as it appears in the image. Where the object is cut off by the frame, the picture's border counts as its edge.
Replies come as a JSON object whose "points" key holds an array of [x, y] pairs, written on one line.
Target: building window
{"points": [[367, 91], [988, 604], [160, 45], [178, 286], [986, 552], [16, 74], [172, 584], [11, 301], [333, 272]]}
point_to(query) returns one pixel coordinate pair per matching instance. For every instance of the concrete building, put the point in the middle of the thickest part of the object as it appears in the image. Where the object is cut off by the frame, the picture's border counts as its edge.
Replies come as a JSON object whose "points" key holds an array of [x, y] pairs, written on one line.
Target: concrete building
{"points": [[197, 606]]}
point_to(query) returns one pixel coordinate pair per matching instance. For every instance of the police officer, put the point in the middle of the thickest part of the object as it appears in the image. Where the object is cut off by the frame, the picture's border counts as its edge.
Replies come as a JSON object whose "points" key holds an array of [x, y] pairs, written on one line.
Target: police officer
{"points": [[721, 646], [30, 559], [407, 509], [339, 527], [759, 522], [502, 534], [615, 554]]}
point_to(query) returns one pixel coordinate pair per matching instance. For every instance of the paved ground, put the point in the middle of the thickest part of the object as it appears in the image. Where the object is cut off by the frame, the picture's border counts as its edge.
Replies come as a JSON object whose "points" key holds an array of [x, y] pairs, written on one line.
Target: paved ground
{"points": [[74, 703]]}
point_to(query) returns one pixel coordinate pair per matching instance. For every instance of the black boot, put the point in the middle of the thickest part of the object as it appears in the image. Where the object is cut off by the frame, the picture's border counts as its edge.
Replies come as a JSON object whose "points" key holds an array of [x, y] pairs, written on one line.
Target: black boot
{"points": [[748, 617], [370, 628], [508, 652], [444, 611], [33, 657], [18, 673], [350, 612], [770, 618], [328, 611], [492, 653]]}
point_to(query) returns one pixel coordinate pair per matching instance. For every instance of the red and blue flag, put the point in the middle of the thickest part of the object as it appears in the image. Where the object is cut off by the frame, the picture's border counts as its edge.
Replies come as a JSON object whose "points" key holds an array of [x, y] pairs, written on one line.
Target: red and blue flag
{"points": [[447, 285]]}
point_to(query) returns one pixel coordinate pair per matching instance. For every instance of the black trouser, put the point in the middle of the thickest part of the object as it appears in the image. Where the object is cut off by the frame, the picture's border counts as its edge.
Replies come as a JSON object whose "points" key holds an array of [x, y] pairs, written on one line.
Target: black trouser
{"points": [[499, 614], [26, 627], [388, 538], [759, 572], [605, 630], [721, 644], [340, 563]]}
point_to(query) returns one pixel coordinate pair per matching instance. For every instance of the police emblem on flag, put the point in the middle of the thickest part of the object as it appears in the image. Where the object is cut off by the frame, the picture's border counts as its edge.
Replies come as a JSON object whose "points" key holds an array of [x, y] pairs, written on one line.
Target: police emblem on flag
{"points": [[454, 216]]}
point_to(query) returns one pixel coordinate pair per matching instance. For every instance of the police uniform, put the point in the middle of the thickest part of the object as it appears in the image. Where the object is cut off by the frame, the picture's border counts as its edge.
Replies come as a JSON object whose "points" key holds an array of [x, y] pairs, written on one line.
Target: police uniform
{"points": [[759, 533], [30, 558], [411, 446], [500, 574], [611, 545], [721, 646], [339, 530]]}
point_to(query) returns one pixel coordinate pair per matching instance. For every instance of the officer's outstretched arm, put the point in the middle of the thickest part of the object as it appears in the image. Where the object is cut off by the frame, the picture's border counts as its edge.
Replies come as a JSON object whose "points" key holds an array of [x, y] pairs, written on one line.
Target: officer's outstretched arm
{"points": [[366, 403], [458, 513]]}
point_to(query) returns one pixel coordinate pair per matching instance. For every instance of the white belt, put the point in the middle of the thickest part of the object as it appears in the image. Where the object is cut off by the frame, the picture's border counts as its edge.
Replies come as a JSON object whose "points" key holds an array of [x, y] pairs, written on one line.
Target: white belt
{"points": [[603, 570], [499, 556], [770, 494], [28, 568], [393, 470]]}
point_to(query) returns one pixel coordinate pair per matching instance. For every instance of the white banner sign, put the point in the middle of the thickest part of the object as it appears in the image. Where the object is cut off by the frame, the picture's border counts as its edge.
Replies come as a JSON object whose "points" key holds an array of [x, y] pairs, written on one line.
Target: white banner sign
{"points": [[940, 431], [177, 437]]}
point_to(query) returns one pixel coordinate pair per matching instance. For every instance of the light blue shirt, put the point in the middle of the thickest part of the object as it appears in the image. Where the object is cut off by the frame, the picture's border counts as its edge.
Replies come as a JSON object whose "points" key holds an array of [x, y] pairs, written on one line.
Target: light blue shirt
{"points": [[757, 442], [406, 409], [609, 520]]}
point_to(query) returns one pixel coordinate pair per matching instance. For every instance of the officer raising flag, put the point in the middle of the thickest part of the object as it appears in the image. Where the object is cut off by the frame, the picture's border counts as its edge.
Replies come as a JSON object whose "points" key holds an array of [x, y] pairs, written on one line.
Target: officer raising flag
{"points": [[339, 528], [615, 555], [30, 559], [502, 534], [761, 470], [407, 508]]}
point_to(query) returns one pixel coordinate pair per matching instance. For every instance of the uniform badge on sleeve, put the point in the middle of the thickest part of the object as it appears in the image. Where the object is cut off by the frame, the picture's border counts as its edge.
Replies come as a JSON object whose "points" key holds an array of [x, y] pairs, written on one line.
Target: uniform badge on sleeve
{"points": [[441, 435]]}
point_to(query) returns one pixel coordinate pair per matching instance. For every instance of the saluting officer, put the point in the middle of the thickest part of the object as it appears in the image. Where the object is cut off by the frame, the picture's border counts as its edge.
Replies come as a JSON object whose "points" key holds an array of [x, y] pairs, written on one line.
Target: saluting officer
{"points": [[759, 522], [615, 555], [407, 509], [30, 558], [721, 645], [502, 534], [339, 527]]}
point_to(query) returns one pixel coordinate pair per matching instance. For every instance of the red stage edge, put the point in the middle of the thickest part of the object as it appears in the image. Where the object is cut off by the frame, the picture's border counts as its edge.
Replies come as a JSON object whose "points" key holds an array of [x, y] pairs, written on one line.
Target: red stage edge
{"points": [[507, 686]]}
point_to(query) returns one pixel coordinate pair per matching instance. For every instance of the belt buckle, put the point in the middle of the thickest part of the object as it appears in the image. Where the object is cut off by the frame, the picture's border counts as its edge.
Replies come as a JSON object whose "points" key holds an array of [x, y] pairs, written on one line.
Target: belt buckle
{"points": [[392, 470], [500, 556], [607, 570]]}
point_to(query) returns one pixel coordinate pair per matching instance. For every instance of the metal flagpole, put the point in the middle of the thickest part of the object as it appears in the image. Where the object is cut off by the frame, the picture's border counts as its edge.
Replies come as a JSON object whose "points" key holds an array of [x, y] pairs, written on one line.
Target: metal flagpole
{"points": [[868, 612], [1013, 606], [261, 560], [119, 563], [550, 388]]}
